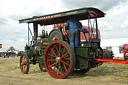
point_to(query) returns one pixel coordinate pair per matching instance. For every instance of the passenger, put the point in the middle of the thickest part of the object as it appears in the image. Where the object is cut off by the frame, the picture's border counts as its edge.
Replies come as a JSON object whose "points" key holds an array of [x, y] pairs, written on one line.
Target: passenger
{"points": [[74, 34]]}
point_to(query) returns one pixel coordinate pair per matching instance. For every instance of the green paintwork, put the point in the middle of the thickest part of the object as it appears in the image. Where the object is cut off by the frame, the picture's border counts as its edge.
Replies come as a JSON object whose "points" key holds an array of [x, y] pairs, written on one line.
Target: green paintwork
{"points": [[88, 45], [54, 33], [82, 64], [27, 52], [94, 43], [81, 14], [38, 51], [41, 60], [41, 47]]}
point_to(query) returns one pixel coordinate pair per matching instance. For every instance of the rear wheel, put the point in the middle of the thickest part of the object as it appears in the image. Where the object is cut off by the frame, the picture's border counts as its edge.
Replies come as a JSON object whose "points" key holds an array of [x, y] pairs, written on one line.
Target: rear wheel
{"points": [[59, 59], [42, 67], [24, 63]]}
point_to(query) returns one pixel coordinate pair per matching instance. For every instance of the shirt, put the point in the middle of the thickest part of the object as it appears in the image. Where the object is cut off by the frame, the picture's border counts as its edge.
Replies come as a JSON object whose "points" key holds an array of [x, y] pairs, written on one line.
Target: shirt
{"points": [[73, 24]]}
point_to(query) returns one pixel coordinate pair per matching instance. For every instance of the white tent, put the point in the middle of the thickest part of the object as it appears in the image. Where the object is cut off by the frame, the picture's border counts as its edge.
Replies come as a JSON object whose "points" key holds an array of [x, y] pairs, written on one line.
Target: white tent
{"points": [[114, 45]]}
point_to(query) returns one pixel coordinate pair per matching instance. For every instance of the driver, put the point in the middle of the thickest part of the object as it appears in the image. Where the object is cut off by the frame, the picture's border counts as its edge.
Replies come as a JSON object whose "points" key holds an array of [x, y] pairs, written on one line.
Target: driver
{"points": [[74, 34]]}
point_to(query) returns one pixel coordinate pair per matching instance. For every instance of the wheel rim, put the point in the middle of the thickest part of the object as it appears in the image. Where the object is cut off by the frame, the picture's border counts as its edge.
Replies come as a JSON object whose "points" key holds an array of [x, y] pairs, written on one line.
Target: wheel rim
{"points": [[58, 60], [24, 64]]}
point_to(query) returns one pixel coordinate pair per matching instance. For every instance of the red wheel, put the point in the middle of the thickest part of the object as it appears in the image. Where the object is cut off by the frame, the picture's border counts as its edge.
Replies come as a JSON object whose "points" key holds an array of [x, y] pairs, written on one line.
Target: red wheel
{"points": [[24, 63], [59, 59], [42, 67]]}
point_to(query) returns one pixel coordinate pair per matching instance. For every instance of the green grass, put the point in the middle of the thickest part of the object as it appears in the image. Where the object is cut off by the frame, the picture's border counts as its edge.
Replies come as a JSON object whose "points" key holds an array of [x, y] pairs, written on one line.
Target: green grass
{"points": [[107, 74]]}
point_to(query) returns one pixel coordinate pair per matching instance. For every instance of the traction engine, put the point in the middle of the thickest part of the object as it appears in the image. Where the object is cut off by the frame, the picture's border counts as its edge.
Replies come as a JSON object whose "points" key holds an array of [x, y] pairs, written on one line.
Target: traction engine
{"points": [[54, 53]]}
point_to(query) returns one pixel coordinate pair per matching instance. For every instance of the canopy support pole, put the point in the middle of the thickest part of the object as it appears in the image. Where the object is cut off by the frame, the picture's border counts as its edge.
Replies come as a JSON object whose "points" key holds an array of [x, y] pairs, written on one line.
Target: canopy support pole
{"points": [[35, 29]]}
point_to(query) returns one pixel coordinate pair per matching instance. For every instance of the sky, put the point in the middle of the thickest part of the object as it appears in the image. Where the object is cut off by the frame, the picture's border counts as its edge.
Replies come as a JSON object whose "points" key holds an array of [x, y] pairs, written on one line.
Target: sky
{"points": [[113, 25]]}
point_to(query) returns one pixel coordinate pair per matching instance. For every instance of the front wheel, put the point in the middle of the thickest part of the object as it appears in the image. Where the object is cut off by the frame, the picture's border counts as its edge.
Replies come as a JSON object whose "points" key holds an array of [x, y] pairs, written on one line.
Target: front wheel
{"points": [[59, 59], [24, 63]]}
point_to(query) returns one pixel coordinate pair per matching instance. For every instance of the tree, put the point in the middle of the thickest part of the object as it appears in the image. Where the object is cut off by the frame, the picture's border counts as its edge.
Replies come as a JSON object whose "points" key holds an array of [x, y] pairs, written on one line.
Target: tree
{"points": [[11, 49]]}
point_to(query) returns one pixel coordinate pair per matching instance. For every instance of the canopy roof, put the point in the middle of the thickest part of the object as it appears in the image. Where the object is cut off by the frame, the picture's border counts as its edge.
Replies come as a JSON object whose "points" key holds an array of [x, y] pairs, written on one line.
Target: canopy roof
{"points": [[80, 14]]}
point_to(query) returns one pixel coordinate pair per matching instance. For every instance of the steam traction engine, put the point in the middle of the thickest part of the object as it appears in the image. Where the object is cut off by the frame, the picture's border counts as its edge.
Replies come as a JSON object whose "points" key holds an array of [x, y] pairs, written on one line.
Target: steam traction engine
{"points": [[54, 53]]}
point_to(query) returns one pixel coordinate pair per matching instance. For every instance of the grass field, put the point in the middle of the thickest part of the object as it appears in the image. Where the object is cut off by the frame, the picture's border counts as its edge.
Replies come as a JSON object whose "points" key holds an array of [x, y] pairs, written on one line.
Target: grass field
{"points": [[107, 74]]}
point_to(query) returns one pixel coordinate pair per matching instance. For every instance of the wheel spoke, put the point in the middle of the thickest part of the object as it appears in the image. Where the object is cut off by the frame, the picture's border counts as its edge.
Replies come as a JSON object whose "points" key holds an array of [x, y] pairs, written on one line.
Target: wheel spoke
{"points": [[59, 48], [53, 52], [66, 58], [63, 50], [65, 67], [60, 67], [24, 67], [64, 55], [52, 55], [53, 64], [25, 63], [24, 58], [58, 71], [51, 59], [65, 63]]}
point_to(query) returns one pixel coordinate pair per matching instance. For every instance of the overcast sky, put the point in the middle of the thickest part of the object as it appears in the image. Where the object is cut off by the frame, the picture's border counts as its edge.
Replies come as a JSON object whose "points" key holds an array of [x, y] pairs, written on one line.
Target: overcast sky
{"points": [[113, 25]]}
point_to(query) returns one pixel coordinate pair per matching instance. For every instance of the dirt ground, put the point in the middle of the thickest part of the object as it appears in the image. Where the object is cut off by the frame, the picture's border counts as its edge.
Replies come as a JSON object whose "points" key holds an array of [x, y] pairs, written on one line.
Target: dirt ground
{"points": [[107, 74]]}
